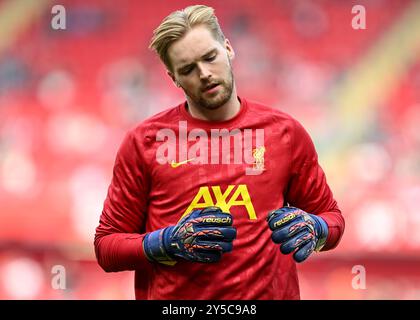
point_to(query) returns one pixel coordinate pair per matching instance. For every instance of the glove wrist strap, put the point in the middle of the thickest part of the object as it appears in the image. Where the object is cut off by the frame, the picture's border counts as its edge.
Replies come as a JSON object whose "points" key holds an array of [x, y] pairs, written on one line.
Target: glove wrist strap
{"points": [[154, 246], [323, 234]]}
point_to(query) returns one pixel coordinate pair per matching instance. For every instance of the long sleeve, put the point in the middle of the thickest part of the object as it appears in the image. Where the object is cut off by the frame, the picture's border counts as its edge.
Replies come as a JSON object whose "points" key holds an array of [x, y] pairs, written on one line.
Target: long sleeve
{"points": [[118, 238], [308, 188]]}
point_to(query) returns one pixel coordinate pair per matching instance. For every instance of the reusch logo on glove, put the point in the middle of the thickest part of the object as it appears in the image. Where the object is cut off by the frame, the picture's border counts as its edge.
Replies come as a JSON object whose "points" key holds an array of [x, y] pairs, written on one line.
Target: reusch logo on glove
{"points": [[217, 220], [284, 220]]}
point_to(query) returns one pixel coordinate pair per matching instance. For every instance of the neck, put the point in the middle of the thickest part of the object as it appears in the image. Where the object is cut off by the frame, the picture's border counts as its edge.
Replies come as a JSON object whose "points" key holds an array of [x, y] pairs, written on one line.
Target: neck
{"points": [[223, 113]]}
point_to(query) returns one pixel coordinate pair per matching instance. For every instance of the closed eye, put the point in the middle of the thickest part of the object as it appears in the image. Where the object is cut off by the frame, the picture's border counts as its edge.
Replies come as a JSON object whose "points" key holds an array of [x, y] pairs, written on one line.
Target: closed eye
{"points": [[209, 59], [186, 71]]}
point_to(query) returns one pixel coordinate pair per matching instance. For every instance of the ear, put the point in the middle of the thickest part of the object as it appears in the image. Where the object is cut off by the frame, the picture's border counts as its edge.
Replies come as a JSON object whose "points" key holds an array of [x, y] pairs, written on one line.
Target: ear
{"points": [[172, 76], [229, 49]]}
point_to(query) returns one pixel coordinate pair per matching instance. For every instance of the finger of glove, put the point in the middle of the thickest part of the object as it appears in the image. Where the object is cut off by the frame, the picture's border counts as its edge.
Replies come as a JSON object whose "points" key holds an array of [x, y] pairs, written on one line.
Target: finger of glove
{"points": [[288, 230], [201, 212], [296, 241], [280, 218], [281, 210], [211, 210], [304, 251], [208, 256], [216, 233], [206, 246], [204, 256]]}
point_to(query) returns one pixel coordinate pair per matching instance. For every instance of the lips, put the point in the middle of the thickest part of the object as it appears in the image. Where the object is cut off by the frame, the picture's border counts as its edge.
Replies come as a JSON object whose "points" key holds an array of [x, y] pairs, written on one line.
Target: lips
{"points": [[209, 87]]}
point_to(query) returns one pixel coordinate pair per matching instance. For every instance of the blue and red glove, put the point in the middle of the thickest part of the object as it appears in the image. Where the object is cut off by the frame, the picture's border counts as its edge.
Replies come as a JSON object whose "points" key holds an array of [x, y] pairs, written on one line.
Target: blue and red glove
{"points": [[201, 236], [297, 231]]}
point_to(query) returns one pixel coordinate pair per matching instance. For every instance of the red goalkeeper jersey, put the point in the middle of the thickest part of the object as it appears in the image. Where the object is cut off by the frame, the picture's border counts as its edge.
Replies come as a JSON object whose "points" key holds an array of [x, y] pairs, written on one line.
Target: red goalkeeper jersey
{"points": [[249, 165]]}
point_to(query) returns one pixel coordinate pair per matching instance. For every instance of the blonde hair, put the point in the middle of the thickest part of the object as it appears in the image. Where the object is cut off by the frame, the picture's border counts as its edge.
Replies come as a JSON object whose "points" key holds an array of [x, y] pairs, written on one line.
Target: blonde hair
{"points": [[178, 23]]}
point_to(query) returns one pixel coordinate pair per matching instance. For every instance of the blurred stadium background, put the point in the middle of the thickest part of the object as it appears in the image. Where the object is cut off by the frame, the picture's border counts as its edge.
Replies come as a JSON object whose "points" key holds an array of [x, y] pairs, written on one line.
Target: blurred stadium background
{"points": [[68, 96]]}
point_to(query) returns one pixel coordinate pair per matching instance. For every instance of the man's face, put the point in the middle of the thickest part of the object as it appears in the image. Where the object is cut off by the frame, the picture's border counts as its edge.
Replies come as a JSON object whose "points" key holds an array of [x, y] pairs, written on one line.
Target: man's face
{"points": [[201, 65]]}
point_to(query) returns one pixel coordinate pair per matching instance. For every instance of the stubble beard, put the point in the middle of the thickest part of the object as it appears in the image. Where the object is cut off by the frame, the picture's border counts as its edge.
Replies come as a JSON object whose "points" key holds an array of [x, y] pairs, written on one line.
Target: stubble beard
{"points": [[223, 96]]}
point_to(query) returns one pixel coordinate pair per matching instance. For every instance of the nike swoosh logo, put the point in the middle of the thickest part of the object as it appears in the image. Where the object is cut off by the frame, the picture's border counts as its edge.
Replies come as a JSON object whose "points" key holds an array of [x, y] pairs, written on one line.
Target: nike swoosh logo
{"points": [[177, 164]]}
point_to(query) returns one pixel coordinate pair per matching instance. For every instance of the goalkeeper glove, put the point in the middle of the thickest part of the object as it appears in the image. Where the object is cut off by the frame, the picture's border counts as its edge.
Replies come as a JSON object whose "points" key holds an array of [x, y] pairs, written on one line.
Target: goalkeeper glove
{"points": [[201, 236], [298, 231]]}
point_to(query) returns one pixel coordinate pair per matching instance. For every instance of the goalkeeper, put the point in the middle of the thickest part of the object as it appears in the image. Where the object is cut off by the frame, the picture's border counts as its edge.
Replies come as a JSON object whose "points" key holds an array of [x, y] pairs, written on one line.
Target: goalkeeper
{"points": [[204, 223]]}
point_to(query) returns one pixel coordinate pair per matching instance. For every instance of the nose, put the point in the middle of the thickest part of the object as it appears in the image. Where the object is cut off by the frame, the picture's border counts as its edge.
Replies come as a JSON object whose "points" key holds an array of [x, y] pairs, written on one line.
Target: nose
{"points": [[204, 71]]}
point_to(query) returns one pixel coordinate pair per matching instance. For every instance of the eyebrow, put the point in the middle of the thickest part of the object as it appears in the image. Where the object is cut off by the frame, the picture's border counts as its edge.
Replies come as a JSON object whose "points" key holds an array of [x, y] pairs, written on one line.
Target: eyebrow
{"points": [[208, 53]]}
